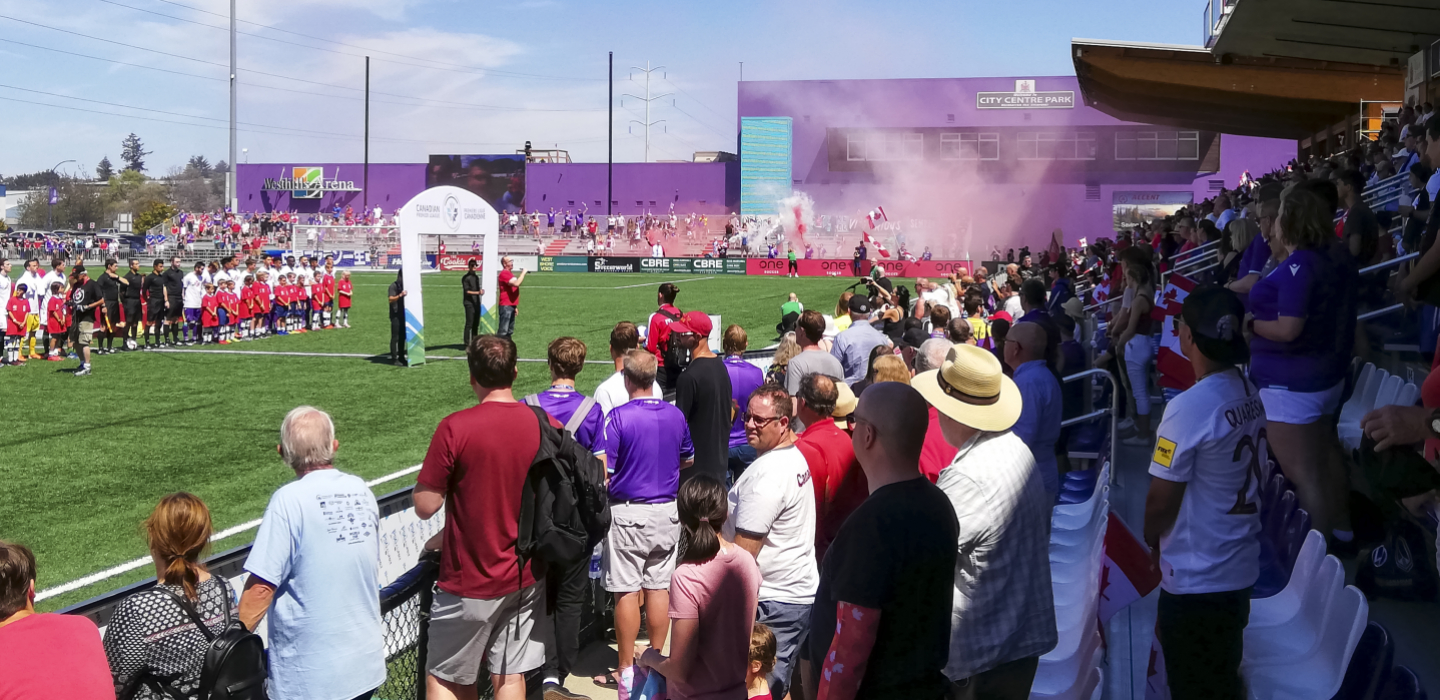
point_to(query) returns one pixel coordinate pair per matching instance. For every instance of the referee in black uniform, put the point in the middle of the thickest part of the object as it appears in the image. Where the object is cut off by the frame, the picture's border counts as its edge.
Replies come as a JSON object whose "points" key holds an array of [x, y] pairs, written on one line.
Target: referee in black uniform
{"points": [[174, 300], [109, 285], [155, 305], [470, 287], [133, 320], [396, 294]]}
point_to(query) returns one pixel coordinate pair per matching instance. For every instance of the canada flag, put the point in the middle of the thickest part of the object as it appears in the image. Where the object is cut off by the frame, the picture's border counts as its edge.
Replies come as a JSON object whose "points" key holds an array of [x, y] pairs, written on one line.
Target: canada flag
{"points": [[1127, 573], [883, 252], [1175, 369], [1101, 293], [875, 215]]}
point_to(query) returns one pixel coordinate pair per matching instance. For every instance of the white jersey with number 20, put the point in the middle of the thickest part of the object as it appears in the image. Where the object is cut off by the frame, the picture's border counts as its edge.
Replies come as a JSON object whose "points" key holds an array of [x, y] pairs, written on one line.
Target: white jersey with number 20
{"points": [[1212, 439]]}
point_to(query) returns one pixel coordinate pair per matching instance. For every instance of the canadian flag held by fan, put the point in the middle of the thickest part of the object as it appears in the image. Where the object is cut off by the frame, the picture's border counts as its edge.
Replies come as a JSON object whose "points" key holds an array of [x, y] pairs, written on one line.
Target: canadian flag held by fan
{"points": [[876, 214], [1175, 369]]}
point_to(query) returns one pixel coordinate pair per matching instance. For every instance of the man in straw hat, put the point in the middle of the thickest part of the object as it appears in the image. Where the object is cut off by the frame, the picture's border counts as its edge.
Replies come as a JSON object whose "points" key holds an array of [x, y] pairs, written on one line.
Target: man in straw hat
{"points": [[1202, 517], [1004, 614]]}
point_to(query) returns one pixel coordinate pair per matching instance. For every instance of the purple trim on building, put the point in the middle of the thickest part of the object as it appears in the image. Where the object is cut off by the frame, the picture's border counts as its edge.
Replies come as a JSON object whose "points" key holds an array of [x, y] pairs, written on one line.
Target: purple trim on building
{"points": [[391, 186], [707, 188]]}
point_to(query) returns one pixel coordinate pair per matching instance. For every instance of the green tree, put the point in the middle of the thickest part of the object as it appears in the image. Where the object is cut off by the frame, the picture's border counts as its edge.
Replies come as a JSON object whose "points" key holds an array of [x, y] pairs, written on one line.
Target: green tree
{"points": [[132, 151], [104, 171], [153, 214], [222, 166], [200, 165], [79, 203]]}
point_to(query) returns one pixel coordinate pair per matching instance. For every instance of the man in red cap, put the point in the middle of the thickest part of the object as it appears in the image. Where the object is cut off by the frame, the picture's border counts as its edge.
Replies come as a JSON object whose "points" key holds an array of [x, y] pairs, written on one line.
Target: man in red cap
{"points": [[702, 393]]}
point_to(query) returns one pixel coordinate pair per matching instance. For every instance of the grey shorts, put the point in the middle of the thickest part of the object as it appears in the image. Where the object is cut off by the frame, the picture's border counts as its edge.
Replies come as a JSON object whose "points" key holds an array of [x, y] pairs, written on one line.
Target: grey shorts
{"points": [[512, 633], [640, 548]]}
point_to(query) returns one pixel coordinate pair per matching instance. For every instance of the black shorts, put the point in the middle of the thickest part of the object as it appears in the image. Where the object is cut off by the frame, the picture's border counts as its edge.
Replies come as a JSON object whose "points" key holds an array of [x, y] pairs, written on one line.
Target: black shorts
{"points": [[112, 313], [132, 312], [155, 312], [176, 309]]}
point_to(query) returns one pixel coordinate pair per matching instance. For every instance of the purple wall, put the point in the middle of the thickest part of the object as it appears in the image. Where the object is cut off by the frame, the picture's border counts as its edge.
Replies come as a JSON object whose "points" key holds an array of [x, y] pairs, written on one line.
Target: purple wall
{"points": [[1007, 203], [391, 186], [708, 188]]}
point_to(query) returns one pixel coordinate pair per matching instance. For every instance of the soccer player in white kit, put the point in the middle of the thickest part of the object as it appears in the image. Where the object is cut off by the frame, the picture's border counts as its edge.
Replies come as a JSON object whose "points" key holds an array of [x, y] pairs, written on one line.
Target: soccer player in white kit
{"points": [[1202, 515]]}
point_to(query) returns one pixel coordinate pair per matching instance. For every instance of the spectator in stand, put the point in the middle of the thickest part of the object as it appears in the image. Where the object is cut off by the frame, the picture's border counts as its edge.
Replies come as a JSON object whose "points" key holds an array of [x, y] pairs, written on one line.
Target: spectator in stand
{"points": [[1012, 301], [509, 284], [785, 351], [489, 607], [839, 483], [1258, 259], [1428, 265], [1003, 617], [853, 345], [714, 594], [935, 454], [649, 444], [154, 648], [314, 568], [1206, 541], [959, 331], [657, 336], [744, 378], [879, 620], [1360, 228], [1032, 300], [1038, 425], [772, 516], [46, 655], [703, 394], [1300, 356], [624, 337], [1137, 353], [809, 332], [842, 311]]}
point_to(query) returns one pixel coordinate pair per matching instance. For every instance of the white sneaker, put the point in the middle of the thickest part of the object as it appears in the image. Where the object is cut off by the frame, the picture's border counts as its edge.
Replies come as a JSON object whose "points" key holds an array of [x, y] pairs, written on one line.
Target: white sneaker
{"points": [[1138, 441], [1125, 425]]}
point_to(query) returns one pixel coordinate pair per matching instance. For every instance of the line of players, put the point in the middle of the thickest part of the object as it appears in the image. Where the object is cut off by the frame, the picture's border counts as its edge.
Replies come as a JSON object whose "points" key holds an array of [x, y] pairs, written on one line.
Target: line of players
{"points": [[173, 307]]}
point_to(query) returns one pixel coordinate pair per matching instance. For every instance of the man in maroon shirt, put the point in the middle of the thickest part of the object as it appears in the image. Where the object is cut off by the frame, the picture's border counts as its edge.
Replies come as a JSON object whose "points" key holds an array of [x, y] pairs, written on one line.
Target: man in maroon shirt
{"points": [[509, 285], [840, 485], [488, 607], [657, 335], [45, 655]]}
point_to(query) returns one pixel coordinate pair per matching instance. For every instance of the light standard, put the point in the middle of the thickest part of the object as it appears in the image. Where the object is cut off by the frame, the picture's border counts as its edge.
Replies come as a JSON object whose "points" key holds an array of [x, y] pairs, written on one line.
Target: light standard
{"points": [[51, 196]]}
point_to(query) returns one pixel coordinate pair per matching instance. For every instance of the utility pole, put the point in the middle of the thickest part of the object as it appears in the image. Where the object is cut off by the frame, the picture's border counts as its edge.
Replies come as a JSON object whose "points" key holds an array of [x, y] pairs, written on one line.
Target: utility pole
{"points": [[610, 147], [231, 197], [365, 177], [647, 99]]}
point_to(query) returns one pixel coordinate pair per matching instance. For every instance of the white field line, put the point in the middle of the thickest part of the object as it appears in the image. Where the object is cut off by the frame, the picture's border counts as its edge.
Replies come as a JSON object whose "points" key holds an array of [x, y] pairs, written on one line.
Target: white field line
{"points": [[144, 561], [627, 286], [200, 351]]}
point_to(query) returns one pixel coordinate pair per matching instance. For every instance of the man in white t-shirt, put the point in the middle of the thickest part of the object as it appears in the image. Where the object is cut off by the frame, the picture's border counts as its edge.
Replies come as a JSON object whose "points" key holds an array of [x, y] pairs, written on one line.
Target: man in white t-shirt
{"points": [[34, 295], [611, 392], [772, 516], [5, 291], [193, 286], [1202, 515]]}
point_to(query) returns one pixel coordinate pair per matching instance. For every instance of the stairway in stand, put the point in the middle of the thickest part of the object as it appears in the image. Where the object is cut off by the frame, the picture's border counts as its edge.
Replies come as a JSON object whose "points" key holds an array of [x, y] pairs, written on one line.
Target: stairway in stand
{"points": [[556, 246]]}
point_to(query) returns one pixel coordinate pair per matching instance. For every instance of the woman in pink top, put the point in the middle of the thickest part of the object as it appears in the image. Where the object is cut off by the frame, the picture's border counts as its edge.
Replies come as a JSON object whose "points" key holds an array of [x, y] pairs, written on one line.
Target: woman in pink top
{"points": [[713, 595]]}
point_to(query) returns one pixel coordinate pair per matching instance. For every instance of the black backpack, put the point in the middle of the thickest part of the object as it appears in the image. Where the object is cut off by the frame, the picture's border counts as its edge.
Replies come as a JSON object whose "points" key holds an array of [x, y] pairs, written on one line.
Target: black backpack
{"points": [[1399, 567], [234, 667], [676, 357], [565, 505]]}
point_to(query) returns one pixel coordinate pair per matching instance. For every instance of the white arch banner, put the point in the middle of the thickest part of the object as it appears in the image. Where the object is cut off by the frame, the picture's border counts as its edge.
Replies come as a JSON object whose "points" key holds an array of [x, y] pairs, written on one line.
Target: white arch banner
{"points": [[453, 213]]}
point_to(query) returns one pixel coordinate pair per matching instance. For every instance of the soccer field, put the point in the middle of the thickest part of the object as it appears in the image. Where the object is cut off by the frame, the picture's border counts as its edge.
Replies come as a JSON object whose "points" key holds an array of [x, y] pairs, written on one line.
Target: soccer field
{"points": [[84, 459]]}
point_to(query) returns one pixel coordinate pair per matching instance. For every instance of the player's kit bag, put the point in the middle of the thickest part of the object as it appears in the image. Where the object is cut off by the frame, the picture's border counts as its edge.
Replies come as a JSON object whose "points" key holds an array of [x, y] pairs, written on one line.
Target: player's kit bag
{"points": [[564, 505], [676, 357], [234, 666]]}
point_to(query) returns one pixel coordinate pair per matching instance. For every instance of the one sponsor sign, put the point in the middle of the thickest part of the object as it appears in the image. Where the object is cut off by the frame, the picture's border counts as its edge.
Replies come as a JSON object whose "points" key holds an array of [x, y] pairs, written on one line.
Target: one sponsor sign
{"points": [[659, 264], [711, 266], [844, 268], [564, 263], [612, 264], [307, 182]]}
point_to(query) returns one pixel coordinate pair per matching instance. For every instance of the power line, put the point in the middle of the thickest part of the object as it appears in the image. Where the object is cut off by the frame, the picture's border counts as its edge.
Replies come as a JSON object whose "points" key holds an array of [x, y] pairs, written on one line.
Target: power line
{"points": [[687, 93], [701, 123], [111, 60], [497, 72], [277, 75]]}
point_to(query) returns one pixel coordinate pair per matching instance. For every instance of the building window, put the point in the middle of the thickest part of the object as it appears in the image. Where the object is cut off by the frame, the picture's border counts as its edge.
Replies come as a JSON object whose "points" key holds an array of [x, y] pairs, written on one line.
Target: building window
{"points": [[949, 119], [1032, 145], [855, 147], [1157, 145], [970, 146]]}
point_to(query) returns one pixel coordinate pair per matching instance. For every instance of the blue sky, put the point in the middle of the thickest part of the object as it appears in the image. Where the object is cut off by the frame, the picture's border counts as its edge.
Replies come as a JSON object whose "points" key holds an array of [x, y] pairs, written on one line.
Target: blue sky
{"points": [[443, 67]]}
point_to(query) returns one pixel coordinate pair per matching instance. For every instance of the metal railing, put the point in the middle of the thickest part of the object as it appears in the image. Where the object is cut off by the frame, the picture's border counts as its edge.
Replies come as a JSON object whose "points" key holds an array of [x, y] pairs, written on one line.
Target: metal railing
{"points": [[1175, 259], [1113, 410]]}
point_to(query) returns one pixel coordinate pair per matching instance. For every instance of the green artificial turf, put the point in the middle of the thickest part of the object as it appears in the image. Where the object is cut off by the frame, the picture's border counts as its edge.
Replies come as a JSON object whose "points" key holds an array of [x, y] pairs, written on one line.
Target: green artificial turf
{"points": [[83, 460]]}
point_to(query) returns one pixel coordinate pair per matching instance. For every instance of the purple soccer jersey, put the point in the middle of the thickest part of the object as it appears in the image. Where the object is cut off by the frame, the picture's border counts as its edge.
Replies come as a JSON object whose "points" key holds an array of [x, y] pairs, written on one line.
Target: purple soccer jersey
{"points": [[645, 442], [744, 378], [562, 402], [1303, 286]]}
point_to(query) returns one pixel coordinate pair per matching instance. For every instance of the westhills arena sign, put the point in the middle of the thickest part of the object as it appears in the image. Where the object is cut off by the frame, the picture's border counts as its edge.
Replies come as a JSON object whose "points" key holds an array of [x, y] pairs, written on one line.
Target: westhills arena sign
{"points": [[306, 182], [1025, 97]]}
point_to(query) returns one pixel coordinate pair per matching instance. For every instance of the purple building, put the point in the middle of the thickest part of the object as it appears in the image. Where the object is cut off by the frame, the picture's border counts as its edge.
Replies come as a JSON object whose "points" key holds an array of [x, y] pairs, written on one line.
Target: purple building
{"points": [[968, 164], [704, 188], [315, 187]]}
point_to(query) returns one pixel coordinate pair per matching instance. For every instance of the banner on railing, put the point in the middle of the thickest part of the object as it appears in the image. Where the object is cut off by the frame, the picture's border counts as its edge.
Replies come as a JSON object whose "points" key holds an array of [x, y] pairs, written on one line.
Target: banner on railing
{"points": [[779, 267], [564, 263], [1175, 369]]}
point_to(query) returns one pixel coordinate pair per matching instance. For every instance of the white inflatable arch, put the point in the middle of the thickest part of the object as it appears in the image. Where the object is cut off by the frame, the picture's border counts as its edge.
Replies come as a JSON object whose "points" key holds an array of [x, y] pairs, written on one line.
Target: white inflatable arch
{"points": [[453, 213]]}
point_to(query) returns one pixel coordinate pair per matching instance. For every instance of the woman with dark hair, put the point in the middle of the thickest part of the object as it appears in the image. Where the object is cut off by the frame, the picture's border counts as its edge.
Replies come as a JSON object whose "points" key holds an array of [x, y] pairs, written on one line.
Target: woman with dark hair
{"points": [[1135, 349], [154, 649], [1299, 357], [713, 596]]}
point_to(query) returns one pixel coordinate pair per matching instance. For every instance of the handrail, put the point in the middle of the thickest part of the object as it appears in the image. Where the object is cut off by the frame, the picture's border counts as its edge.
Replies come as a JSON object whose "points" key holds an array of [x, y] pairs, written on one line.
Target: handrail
{"points": [[1396, 180], [1114, 409], [1380, 312], [1084, 418], [1175, 259], [1198, 260], [1392, 262]]}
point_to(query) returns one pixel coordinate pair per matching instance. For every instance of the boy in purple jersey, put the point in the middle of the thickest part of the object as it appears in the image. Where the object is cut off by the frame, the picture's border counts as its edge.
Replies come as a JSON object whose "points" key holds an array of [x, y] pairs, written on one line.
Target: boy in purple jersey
{"points": [[744, 378], [566, 585], [647, 442]]}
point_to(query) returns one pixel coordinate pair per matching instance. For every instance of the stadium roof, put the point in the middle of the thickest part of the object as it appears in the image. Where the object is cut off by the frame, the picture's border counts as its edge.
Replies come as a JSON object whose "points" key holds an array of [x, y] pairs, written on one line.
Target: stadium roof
{"points": [[1279, 68]]}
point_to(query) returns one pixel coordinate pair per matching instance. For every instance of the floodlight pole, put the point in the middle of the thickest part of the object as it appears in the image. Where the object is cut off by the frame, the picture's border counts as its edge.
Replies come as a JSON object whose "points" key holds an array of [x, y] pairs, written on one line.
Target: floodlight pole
{"points": [[230, 185], [365, 176], [610, 146]]}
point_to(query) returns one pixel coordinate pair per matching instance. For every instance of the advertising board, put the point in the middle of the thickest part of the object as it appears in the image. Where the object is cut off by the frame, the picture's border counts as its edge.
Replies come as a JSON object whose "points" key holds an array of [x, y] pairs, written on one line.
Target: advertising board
{"points": [[612, 264], [563, 263], [842, 268]]}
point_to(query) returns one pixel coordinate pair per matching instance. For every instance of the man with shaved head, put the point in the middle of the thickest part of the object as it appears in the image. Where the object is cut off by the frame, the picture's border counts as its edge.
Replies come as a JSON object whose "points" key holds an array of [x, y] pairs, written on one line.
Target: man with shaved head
{"points": [[880, 626], [1039, 423], [839, 484]]}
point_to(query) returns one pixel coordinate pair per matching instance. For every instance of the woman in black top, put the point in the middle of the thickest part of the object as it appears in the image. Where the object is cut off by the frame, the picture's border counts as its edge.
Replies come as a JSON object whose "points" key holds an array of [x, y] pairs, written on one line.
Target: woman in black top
{"points": [[154, 649], [470, 287]]}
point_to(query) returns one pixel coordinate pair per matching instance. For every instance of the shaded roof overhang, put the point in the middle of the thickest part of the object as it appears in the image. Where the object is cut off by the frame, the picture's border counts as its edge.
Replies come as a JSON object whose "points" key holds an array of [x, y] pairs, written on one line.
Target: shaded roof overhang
{"points": [[1199, 88]]}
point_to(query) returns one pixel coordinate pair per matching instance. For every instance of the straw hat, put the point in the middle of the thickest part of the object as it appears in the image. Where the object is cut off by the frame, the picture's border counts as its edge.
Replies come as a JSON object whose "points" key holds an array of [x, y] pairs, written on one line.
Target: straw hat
{"points": [[845, 404], [971, 389]]}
